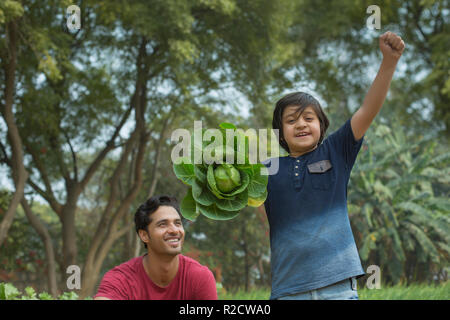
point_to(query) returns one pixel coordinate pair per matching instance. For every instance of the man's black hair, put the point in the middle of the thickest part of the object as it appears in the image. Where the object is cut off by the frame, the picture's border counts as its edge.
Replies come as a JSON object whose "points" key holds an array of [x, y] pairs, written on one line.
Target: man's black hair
{"points": [[301, 100], [142, 216]]}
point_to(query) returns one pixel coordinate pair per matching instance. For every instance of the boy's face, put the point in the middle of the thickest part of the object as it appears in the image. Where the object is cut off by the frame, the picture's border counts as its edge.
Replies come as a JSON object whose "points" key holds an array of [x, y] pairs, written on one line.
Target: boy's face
{"points": [[301, 131], [165, 232]]}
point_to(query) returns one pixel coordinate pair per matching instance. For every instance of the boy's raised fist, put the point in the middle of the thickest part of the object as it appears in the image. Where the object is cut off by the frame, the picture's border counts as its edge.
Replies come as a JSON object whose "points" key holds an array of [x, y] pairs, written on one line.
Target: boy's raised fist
{"points": [[391, 45]]}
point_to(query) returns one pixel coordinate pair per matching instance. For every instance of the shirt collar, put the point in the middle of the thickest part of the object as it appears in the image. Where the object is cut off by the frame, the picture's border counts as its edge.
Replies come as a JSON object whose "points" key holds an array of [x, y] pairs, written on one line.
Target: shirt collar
{"points": [[303, 156]]}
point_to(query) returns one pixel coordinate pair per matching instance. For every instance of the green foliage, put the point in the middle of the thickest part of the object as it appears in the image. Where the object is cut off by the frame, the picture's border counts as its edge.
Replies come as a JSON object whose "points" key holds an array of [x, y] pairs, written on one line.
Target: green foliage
{"points": [[219, 189], [23, 250], [337, 55], [68, 296], [399, 195], [9, 292], [9, 10]]}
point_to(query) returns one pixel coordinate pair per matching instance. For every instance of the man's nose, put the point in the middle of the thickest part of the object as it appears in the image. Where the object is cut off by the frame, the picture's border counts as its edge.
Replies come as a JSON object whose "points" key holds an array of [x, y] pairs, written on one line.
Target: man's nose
{"points": [[173, 228]]}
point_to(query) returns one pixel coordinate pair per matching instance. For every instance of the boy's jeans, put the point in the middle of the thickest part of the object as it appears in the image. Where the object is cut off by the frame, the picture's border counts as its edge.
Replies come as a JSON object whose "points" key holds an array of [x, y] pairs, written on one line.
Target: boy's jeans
{"points": [[343, 290]]}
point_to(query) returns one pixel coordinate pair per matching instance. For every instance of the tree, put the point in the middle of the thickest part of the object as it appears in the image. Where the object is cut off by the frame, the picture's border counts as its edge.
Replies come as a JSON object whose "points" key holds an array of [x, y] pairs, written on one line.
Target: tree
{"points": [[335, 51], [188, 47], [10, 14], [109, 94], [399, 204]]}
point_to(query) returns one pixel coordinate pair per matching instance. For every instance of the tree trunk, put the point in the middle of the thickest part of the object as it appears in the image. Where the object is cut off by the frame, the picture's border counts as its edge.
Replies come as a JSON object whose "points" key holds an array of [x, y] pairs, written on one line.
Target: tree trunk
{"points": [[261, 270], [130, 242], [19, 174], [69, 234], [154, 175], [106, 237], [49, 250]]}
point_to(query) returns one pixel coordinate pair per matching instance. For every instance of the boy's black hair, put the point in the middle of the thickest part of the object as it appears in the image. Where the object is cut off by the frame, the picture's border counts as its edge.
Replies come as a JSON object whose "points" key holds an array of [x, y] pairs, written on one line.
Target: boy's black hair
{"points": [[302, 100], [142, 216]]}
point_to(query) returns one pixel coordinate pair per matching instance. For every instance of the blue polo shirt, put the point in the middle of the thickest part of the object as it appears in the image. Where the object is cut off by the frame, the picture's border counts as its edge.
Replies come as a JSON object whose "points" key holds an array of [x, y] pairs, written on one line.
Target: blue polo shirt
{"points": [[312, 244]]}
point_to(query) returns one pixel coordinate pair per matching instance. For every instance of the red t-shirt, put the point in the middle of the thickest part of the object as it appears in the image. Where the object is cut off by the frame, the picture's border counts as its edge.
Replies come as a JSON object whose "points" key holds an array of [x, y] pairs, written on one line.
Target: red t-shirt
{"points": [[129, 281]]}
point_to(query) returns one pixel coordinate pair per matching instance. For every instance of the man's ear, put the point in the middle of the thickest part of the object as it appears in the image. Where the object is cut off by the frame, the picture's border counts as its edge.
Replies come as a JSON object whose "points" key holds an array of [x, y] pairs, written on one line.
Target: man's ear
{"points": [[144, 235]]}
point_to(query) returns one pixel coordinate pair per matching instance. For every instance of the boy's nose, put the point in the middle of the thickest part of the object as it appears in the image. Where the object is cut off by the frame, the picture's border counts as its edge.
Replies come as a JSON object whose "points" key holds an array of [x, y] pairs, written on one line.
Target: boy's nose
{"points": [[300, 123]]}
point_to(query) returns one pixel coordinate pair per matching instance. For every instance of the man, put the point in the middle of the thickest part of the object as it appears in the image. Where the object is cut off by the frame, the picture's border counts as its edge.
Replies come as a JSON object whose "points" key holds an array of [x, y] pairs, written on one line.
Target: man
{"points": [[163, 273]]}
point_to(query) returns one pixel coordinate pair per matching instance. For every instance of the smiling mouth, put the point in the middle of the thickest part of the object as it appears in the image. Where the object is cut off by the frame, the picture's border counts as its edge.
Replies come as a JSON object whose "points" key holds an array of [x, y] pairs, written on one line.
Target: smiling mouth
{"points": [[173, 241], [302, 135]]}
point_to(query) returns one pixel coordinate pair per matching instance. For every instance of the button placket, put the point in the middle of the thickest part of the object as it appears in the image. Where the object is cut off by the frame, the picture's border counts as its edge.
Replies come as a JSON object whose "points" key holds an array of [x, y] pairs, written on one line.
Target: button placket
{"points": [[296, 167], [297, 176]]}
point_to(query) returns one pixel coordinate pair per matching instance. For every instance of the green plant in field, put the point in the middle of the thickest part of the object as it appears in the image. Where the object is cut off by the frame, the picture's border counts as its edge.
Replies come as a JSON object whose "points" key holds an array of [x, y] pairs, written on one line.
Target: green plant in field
{"points": [[400, 205], [9, 292], [218, 189], [68, 296]]}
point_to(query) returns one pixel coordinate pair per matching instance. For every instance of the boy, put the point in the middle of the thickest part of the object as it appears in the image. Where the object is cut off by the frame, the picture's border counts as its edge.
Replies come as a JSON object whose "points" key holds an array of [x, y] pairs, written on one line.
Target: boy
{"points": [[313, 252]]}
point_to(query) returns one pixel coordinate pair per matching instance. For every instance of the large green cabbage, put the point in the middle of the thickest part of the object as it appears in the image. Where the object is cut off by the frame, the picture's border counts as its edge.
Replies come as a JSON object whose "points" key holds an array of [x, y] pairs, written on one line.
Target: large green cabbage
{"points": [[220, 191]]}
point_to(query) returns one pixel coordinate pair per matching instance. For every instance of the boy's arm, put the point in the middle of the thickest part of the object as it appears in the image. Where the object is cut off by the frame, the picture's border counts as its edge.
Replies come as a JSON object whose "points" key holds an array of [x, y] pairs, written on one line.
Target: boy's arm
{"points": [[392, 47]]}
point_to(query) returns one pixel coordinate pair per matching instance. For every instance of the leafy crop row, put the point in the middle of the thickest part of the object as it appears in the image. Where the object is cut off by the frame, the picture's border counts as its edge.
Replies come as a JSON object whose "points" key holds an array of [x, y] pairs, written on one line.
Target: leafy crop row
{"points": [[10, 292]]}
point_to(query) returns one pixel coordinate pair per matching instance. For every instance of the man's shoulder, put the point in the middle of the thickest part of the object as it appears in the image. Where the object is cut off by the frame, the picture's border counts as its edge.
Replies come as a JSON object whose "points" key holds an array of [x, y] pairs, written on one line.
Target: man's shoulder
{"points": [[199, 277], [120, 281], [130, 267], [194, 267]]}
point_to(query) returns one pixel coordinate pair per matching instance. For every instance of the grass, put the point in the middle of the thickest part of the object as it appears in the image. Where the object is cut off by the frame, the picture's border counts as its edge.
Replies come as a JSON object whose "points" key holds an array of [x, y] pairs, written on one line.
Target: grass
{"points": [[398, 292], [412, 292], [240, 294]]}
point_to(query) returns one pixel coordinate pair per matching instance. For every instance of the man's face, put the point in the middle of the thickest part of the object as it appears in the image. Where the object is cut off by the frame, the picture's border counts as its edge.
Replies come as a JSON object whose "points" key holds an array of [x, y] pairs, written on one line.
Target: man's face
{"points": [[301, 132], [165, 232]]}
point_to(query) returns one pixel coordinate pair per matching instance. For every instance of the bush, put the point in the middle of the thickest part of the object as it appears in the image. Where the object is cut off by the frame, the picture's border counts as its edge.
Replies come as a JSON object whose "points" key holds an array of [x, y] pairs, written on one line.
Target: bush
{"points": [[9, 292]]}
